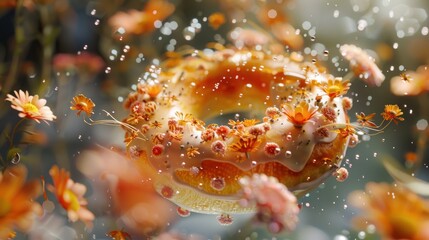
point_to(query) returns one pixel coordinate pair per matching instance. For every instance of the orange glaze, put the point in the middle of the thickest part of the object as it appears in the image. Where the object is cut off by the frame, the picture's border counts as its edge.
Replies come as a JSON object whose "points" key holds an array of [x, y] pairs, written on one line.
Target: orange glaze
{"points": [[325, 158]]}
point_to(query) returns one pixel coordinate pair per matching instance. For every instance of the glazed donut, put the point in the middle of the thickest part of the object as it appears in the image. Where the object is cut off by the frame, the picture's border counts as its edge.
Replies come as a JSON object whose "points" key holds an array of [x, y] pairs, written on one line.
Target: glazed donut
{"points": [[207, 119]]}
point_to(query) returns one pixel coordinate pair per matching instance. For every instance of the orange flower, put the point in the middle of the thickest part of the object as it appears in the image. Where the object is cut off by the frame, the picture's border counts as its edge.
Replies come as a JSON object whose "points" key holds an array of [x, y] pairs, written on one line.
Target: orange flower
{"points": [[411, 83], [287, 35], [336, 87], [192, 152], [396, 212], [216, 20], [411, 157], [81, 103], [130, 184], [347, 131], [31, 107], [392, 113], [16, 206], [139, 22], [70, 195], [300, 114], [364, 120], [119, 235], [245, 145], [362, 65]]}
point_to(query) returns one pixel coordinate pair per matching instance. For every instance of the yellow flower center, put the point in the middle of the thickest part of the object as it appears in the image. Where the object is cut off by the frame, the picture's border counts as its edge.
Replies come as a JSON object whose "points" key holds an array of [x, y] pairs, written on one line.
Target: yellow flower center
{"points": [[4, 207], [72, 200], [30, 108]]}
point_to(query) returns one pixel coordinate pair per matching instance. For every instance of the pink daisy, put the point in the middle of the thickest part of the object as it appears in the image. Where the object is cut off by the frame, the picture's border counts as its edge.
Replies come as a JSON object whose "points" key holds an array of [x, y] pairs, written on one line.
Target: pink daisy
{"points": [[362, 65], [31, 106]]}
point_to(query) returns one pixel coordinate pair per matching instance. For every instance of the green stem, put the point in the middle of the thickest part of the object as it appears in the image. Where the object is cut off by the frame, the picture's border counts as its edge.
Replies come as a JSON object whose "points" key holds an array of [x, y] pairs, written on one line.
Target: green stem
{"points": [[12, 136], [3, 165], [47, 41]]}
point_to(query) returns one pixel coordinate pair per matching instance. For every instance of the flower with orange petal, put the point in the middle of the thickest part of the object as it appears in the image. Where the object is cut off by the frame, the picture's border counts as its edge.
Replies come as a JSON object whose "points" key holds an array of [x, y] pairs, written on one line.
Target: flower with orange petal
{"points": [[70, 196], [365, 120], [119, 235], [392, 113], [81, 103], [130, 184], [411, 83], [245, 145], [216, 20], [17, 208], [31, 107], [336, 87], [411, 157], [362, 65], [192, 152], [140, 22], [396, 213], [346, 131], [299, 114]]}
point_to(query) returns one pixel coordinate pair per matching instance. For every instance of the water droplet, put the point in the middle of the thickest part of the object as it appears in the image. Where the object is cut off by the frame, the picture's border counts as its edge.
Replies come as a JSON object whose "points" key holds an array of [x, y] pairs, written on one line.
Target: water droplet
{"points": [[306, 25], [422, 124], [16, 158], [336, 13], [126, 48], [288, 154], [326, 53], [425, 31], [340, 237], [189, 33], [97, 22], [108, 69], [48, 206], [93, 12]]}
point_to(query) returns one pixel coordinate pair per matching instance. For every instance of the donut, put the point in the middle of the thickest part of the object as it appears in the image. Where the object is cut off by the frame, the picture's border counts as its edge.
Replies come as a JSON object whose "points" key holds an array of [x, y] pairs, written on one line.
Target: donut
{"points": [[205, 119]]}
